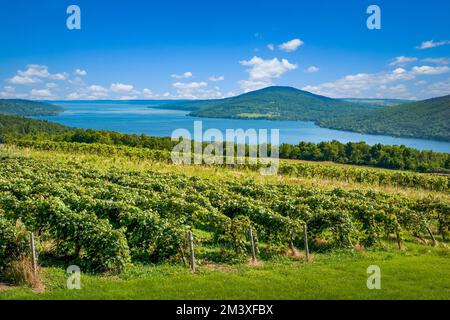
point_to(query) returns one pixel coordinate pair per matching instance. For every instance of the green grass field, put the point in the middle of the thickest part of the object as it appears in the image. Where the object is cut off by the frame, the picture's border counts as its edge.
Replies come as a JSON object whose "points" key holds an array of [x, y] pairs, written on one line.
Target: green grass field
{"points": [[418, 272]]}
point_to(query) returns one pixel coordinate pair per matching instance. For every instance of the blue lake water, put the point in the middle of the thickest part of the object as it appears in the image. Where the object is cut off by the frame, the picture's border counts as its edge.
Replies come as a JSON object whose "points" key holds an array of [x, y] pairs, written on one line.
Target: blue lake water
{"points": [[137, 118]]}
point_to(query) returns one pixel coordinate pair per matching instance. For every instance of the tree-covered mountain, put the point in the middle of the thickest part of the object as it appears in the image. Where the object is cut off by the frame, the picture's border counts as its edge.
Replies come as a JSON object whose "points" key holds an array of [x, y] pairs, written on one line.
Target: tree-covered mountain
{"points": [[274, 103], [428, 119], [18, 107]]}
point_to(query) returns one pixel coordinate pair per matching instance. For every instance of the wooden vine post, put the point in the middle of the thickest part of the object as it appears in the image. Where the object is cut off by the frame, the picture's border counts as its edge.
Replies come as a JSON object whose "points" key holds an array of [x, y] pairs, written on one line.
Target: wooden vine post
{"points": [[253, 245], [431, 235], [305, 235], [33, 254], [399, 240], [191, 249]]}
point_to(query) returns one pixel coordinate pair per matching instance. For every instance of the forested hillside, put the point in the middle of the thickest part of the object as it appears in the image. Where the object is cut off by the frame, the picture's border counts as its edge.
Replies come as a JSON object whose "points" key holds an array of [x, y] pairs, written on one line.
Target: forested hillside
{"points": [[13, 126], [383, 156], [428, 119], [274, 103], [28, 108]]}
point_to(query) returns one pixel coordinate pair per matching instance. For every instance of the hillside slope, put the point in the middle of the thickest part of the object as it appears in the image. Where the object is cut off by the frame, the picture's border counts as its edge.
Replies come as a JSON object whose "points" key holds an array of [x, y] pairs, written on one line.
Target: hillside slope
{"points": [[17, 107], [274, 103], [13, 125], [428, 119]]}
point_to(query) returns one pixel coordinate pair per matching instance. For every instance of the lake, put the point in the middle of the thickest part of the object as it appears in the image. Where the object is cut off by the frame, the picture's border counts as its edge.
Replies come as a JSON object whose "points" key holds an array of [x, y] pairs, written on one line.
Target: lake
{"points": [[136, 117]]}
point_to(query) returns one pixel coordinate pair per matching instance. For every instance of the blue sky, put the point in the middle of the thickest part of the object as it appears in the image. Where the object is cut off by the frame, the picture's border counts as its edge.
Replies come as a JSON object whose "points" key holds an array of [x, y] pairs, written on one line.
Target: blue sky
{"points": [[212, 49]]}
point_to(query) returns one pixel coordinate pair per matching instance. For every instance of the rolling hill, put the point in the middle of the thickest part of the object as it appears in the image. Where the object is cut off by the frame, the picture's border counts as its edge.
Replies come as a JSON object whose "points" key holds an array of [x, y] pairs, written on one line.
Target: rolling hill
{"points": [[274, 103], [18, 107], [427, 119]]}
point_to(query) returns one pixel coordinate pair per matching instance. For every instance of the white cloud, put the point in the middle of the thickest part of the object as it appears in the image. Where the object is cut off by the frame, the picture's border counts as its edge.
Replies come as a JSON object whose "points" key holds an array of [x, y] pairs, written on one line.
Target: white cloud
{"points": [[51, 85], [367, 85], [271, 47], [128, 97], [361, 84], [19, 80], [196, 90], [402, 60], [35, 70], [41, 93], [147, 93], [398, 91], [437, 60], [185, 75], [80, 72], [216, 79], [75, 96], [441, 88], [77, 81], [189, 85], [97, 88], [9, 88], [59, 76], [312, 69], [291, 45], [121, 87], [427, 70], [261, 72], [431, 44], [34, 73]]}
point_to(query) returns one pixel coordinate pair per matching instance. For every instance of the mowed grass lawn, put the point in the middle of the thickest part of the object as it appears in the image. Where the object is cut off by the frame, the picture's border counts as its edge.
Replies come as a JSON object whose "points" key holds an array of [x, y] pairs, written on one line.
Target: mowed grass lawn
{"points": [[421, 272]]}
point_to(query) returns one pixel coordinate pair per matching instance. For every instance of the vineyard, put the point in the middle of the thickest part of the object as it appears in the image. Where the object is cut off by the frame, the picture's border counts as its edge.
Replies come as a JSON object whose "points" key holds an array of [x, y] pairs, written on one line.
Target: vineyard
{"points": [[348, 174], [105, 218]]}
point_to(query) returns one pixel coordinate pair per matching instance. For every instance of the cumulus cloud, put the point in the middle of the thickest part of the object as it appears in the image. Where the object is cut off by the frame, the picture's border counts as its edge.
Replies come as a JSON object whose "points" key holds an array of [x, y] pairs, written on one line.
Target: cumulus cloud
{"points": [[147, 93], [77, 81], [441, 88], [20, 80], [185, 75], [271, 47], [121, 87], [34, 73], [360, 84], [375, 84], [80, 72], [189, 85], [262, 72], [41, 93], [432, 44], [9, 88], [427, 70], [312, 69], [437, 60], [216, 79], [196, 90], [402, 60], [291, 45]]}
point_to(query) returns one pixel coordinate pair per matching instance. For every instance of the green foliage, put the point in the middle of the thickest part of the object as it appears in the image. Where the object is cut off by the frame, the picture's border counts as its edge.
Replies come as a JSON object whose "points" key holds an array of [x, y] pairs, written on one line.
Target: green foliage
{"points": [[427, 119], [369, 176], [104, 218], [390, 157], [12, 126], [273, 103], [14, 242], [360, 153], [19, 107]]}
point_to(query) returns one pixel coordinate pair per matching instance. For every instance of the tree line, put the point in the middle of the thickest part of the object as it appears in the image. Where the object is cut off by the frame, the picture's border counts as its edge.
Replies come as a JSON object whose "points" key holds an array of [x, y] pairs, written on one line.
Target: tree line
{"points": [[357, 153]]}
